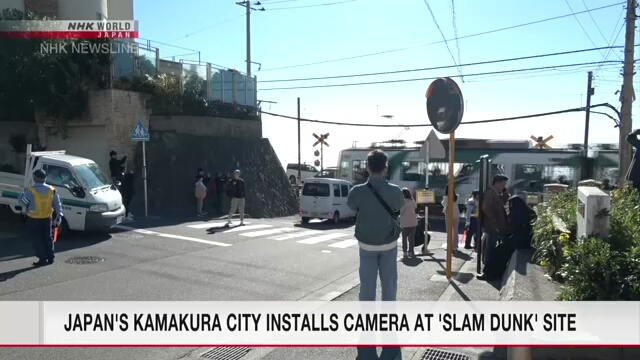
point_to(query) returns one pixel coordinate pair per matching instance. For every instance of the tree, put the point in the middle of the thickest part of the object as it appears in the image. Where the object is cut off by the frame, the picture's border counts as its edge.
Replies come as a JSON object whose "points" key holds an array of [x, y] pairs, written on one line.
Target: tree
{"points": [[147, 67], [56, 84]]}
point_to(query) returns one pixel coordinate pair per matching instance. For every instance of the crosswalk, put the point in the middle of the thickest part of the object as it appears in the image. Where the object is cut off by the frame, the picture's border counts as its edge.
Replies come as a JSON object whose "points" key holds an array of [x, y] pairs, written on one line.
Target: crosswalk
{"points": [[337, 239]]}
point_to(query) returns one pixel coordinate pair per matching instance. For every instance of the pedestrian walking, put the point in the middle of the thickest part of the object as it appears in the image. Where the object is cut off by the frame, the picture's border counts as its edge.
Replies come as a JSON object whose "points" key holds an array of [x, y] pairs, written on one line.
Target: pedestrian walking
{"points": [[40, 201], [408, 222], [201, 194], [116, 167], [471, 220], [127, 191], [378, 204], [456, 216], [236, 192]]}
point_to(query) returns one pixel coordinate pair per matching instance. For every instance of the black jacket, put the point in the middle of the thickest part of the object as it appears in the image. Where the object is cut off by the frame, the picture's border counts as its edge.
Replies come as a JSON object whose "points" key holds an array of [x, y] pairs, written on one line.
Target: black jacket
{"points": [[127, 185], [115, 167], [235, 188]]}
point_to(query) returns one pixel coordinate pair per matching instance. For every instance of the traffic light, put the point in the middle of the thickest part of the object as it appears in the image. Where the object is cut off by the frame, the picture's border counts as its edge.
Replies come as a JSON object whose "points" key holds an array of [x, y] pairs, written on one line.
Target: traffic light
{"points": [[445, 105]]}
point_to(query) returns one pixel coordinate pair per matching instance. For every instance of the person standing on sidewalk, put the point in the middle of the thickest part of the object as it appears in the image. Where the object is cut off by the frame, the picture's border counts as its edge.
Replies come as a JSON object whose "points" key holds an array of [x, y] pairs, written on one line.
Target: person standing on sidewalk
{"points": [[127, 190], [237, 194], [201, 194], [378, 204], [408, 222], [116, 166], [494, 220], [456, 216], [40, 201], [471, 222]]}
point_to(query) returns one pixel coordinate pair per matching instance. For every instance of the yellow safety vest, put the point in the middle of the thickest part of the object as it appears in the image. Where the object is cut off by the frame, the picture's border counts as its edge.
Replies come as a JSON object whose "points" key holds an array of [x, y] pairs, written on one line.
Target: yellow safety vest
{"points": [[43, 203]]}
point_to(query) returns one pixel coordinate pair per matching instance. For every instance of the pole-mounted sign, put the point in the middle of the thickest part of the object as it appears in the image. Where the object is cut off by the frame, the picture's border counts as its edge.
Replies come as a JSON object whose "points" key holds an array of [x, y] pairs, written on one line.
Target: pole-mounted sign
{"points": [[445, 107], [321, 140], [542, 143]]}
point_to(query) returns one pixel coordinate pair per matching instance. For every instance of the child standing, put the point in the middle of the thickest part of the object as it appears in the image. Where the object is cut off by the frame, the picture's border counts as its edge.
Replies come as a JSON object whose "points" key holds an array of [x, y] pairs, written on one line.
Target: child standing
{"points": [[201, 193]]}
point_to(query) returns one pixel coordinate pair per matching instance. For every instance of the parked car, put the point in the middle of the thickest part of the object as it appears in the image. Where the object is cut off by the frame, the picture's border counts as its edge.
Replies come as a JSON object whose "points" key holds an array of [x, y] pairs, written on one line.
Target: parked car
{"points": [[306, 170], [327, 173]]}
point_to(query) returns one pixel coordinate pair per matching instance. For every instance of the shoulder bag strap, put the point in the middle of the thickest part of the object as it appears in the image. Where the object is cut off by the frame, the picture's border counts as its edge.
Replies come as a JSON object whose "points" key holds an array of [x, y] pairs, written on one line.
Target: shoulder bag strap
{"points": [[381, 200]]}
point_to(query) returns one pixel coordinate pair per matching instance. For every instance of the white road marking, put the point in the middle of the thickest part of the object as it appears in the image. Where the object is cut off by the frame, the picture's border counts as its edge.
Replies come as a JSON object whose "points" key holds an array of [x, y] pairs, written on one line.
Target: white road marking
{"points": [[296, 235], [235, 228], [208, 225], [267, 232], [344, 244], [326, 251], [321, 238], [170, 236]]}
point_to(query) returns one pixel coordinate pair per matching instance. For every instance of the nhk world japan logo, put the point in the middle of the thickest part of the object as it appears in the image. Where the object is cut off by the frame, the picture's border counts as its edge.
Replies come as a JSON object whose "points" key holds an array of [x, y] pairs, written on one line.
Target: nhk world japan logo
{"points": [[75, 29]]}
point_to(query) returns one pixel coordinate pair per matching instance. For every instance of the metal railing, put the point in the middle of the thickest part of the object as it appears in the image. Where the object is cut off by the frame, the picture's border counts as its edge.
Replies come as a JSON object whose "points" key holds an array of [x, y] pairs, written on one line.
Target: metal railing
{"points": [[220, 84]]}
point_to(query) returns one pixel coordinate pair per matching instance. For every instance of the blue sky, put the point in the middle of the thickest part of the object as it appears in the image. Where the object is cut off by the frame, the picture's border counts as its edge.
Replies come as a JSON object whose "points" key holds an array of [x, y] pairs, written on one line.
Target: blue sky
{"points": [[295, 36]]}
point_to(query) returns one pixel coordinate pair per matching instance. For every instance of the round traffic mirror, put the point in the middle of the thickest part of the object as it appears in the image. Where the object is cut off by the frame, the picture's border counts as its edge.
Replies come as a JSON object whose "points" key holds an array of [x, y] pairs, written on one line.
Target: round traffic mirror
{"points": [[445, 105]]}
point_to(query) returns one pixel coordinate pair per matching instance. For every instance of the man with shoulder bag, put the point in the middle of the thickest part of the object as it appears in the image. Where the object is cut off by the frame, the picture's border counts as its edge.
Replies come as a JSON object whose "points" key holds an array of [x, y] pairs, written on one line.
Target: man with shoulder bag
{"points": [[378, 204]]}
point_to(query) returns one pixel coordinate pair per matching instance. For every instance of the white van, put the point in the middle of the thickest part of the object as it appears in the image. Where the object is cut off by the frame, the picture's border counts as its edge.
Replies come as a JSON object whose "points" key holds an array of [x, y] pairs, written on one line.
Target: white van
{"points": [[89, 200], [325, 199]]}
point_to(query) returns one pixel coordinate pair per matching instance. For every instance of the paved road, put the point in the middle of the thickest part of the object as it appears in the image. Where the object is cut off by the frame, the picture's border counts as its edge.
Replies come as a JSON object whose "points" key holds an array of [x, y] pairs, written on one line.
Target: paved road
{"points": [[270, 259]]}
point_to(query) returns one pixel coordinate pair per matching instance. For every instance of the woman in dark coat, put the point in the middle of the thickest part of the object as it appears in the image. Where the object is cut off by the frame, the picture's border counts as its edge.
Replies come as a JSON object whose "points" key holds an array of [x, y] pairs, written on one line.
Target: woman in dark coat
{"points": [[127, 192]]}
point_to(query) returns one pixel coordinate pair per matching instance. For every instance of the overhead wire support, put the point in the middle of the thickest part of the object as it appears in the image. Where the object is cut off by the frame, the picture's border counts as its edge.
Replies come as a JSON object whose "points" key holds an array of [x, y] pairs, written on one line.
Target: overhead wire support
{"points": [[488, 62], [440, 42], [433, 78], [444, 38]]}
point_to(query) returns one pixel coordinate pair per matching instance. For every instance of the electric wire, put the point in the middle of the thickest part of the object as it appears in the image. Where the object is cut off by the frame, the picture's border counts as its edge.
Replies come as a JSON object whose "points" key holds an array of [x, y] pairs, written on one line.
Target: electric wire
{"points": [[612, 40], [209, 27], [580, 23], [444, 38], [309, 6], [440, 42], [455, 31], [596, 23], [529, 57], [579, 109], [433, 78]]}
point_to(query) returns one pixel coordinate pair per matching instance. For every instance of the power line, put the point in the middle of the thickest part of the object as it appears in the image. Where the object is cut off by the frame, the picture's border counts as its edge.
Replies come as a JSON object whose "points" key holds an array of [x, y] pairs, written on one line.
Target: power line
{"points": [[310, 6], [580, 23], [444, 38], [595, 22], [429, 125], [612, 40], [433, 78], [440, 42], [444, 66], [455, 30]]}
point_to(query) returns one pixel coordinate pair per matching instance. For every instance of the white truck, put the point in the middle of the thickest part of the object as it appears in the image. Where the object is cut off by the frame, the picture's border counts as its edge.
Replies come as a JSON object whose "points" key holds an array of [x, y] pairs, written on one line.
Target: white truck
{"points": [[90, 201]]}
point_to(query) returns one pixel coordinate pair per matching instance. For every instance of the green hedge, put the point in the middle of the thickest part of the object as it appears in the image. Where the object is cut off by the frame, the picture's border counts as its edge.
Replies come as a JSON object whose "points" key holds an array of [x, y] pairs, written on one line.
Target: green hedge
{"points": [[592, 268]]}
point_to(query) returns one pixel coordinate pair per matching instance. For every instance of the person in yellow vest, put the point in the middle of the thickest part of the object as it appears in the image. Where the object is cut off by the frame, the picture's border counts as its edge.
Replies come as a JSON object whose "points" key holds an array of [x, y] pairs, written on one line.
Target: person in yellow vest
{"points": [[471, 226], [41, 200]]}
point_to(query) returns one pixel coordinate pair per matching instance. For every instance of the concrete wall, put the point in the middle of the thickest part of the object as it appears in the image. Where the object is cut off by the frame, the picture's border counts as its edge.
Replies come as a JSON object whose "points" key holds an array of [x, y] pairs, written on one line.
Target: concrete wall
{"points": [[207, 125], [118, 111], [172, 160]]}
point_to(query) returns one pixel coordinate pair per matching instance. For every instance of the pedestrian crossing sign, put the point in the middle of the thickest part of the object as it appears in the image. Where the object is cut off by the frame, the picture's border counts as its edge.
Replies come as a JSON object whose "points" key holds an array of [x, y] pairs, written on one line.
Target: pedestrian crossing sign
{"points": [[140, 132]]}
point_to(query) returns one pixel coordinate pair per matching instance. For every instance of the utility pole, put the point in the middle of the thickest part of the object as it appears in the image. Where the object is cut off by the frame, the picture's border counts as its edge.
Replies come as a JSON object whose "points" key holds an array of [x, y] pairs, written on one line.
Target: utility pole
{"points": [[248, 6], [627, 91], [585, 163], [299, 141]]}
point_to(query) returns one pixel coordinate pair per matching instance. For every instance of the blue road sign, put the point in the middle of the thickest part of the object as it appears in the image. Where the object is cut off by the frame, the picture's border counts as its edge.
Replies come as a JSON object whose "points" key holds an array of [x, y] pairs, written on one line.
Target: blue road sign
{"points": [[140, 132]]}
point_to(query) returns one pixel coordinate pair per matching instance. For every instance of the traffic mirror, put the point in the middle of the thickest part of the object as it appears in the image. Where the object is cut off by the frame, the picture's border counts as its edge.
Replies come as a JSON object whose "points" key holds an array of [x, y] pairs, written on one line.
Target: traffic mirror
{"points": [[445, 105]]}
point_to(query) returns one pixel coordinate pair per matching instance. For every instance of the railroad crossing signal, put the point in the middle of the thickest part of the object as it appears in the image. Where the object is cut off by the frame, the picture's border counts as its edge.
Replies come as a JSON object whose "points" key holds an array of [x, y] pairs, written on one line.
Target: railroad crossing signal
{"points": [[321, 139], [542, 143]]}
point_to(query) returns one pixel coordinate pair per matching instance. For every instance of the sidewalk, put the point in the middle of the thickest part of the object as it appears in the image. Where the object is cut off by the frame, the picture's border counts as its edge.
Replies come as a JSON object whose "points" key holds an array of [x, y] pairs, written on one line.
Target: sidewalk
{"points": [[421, 279]]}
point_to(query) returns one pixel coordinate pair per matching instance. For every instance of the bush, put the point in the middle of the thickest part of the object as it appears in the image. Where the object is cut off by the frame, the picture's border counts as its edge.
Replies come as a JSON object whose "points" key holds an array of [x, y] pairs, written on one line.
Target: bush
{"points": [[593, 268]]}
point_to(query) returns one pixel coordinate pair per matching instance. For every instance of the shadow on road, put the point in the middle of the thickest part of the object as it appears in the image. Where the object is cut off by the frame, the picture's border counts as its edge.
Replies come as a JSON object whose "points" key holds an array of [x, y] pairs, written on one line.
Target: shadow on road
{"points": [[326, 225], [11, 274], [20, 247]]}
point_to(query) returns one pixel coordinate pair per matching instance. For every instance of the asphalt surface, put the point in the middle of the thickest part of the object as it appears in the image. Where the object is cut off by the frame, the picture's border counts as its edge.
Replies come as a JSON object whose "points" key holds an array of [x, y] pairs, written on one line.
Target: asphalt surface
{"points": [[195, 259]]}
